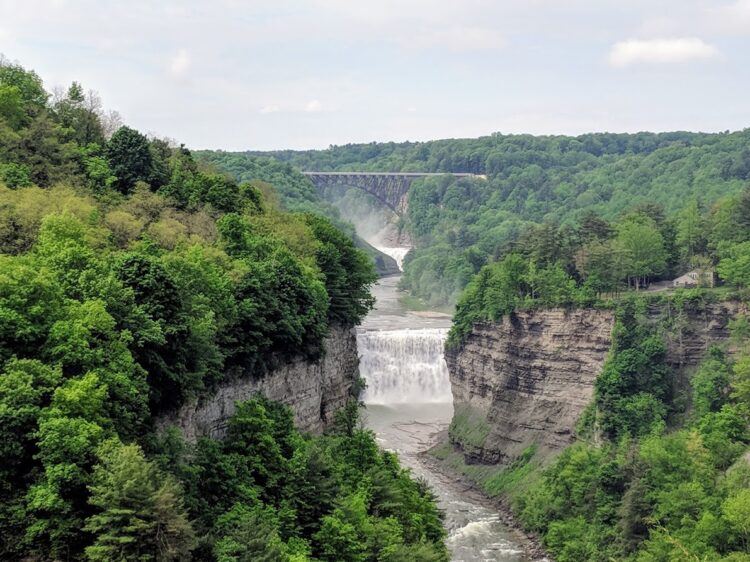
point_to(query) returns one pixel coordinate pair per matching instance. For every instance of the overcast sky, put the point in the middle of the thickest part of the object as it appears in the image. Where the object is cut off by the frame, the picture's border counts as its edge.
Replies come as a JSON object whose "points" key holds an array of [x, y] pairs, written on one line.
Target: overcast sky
{"points": [[265, 74]]}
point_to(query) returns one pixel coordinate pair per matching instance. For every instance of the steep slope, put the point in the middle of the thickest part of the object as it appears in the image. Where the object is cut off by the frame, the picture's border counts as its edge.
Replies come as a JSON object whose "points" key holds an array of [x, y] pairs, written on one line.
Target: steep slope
{"points": [[526, 379], [314, 390]]}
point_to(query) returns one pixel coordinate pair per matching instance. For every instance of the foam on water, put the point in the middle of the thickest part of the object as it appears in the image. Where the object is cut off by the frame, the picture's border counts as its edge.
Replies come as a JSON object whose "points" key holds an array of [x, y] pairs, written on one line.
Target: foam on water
{"points": [[398, 253], [404, 366], [480, 537]]}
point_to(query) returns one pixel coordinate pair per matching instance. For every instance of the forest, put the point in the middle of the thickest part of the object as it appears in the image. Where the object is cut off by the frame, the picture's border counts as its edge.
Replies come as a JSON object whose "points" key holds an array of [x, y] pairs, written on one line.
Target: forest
{"points": [[134, 278], [658, 471], [538, 182]]}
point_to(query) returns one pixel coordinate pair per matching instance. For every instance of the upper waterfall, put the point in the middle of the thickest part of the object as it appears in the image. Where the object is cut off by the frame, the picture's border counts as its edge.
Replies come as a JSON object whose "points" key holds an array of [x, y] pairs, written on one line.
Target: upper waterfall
{"points": [[397, 253]]}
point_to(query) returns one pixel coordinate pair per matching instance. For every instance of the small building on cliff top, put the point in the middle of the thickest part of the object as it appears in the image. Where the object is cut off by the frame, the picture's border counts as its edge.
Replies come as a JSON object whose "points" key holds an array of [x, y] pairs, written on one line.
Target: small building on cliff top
{"points": [[696, 278]]}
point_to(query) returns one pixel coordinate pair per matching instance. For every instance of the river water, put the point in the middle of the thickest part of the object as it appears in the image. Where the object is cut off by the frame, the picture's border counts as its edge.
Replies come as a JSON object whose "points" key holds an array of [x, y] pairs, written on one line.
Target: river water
{"points": [[409, 403]]}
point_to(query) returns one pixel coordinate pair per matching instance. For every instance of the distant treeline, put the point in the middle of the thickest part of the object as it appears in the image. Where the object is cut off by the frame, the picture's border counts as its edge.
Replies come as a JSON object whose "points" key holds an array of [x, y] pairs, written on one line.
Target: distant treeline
{"points": [[552, 181]]}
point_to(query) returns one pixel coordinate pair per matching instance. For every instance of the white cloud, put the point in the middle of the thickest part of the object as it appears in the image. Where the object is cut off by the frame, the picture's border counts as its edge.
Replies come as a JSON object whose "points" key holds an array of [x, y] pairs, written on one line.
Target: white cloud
{"points": [[269, 109], [741, 9], [313, 106], [180, 64], [420, 24], [661, 51]]}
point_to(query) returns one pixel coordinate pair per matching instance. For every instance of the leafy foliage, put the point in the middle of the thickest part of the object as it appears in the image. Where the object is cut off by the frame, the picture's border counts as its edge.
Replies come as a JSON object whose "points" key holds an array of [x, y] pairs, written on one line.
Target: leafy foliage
{"points": [[461, 224], [272, 493], [141, 281]]}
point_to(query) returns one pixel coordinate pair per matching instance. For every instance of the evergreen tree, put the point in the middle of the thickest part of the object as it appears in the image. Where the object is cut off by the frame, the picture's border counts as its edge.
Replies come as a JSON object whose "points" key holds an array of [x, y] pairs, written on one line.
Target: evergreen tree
{"points": [[142, 516]]}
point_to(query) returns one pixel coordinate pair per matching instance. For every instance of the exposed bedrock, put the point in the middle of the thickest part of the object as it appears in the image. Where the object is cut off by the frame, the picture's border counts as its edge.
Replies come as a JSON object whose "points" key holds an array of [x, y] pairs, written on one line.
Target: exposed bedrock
{"points": [[526, 379], [313, 390]]}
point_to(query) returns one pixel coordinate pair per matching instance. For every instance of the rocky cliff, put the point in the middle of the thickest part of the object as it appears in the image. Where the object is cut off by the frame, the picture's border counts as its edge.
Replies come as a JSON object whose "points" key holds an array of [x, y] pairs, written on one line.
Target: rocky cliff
{"points": [[314, 391], [690, 331], [526, 379]]}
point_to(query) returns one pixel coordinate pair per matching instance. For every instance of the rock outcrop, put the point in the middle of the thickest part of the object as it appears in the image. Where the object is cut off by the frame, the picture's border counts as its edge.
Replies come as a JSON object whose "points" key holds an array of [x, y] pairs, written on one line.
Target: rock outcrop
{"points": [[313, 390], [527, 379], [689, 334]]}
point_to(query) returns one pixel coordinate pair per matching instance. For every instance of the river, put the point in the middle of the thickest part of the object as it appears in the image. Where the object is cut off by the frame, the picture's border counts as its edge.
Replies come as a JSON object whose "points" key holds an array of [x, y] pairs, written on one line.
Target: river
{"points": [[409, 404]]}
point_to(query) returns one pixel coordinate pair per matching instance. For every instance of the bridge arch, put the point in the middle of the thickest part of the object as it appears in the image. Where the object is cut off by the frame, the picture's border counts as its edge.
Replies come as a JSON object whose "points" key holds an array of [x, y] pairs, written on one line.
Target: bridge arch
{"points": [[390, 188]]}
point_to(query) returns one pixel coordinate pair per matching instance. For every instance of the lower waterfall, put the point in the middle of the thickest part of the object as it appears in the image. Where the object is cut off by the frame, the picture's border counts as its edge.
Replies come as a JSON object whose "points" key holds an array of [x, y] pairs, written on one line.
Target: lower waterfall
{"points": [[409, 403], [404, 366]]}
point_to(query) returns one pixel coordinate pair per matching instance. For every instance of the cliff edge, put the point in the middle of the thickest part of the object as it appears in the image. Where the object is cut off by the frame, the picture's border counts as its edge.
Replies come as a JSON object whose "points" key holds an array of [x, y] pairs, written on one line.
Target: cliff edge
{"points": [[313, 390], [525, 380]]}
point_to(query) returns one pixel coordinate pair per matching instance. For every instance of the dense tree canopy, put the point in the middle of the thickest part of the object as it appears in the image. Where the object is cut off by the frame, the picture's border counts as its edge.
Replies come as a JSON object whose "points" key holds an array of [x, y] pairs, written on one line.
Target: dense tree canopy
{"points": [[132, 279], [461, 224]]}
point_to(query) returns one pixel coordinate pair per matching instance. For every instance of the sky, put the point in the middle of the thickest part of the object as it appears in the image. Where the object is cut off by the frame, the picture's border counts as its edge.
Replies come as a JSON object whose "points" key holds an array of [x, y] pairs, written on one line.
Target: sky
{"points": [[273, 74]]}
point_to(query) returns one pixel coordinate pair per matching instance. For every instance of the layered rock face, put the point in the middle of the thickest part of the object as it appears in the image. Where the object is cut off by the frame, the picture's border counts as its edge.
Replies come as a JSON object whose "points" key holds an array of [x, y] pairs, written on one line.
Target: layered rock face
{"points": [[313, 390], [526, 379], [689, 334]]}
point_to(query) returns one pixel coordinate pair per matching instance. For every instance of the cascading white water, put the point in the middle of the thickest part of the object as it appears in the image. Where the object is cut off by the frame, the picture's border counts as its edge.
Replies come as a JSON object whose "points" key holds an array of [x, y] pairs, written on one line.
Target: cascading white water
{"points": [[404, 366], [397, 253], [409, 401]]}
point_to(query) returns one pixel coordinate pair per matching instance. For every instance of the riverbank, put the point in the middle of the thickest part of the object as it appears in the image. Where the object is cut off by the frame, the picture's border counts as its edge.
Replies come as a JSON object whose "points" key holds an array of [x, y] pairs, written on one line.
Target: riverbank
{"points": [[476, 530], [529, 542], [409, 404]]}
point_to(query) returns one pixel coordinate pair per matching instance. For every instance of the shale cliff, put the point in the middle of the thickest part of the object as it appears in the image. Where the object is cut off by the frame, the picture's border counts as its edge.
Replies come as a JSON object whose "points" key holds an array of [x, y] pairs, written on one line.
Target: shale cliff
{"points": [[526, 379], [313, 390]]}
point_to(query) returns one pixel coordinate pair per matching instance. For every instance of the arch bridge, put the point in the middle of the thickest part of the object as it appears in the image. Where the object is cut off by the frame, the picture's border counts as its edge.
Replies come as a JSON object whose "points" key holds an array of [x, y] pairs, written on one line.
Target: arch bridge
{"points": [[390, 188]]}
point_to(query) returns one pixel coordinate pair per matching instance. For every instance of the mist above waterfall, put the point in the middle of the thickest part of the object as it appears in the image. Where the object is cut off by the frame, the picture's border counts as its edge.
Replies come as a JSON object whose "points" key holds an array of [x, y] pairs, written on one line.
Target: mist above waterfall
{"points": [[401, 354], [373, 221], [404, 366]]}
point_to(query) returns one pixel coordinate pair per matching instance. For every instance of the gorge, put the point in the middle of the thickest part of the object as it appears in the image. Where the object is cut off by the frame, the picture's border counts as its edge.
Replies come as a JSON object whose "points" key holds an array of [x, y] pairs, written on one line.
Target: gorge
{"points": [[408, 403], [358, 282]]}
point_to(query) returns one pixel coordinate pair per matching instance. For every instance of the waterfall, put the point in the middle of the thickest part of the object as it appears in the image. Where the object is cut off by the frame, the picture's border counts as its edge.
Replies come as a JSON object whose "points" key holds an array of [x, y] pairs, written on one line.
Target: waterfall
{"points": [[404, 366], [397, 253]]}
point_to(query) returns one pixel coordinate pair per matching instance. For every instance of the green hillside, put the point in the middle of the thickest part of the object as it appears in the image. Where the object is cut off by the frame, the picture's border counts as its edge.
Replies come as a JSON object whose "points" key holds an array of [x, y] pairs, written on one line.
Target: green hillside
{"points": [[459, 225], [134, 278]]}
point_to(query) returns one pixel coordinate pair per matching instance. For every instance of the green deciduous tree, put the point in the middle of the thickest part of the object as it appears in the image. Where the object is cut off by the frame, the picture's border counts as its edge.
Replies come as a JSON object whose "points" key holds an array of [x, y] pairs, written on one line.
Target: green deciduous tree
{"points": [[129, 156], [691, 231], [734, 266], [248, 535], [736, 510], [78, 112], [347, 271], [27, 83], [643, 246]]}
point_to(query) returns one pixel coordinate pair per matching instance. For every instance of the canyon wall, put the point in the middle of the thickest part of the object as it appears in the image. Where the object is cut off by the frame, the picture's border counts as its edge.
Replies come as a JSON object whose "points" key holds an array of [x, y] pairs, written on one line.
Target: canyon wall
{"points": [[313, 390], [526, 379]]}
